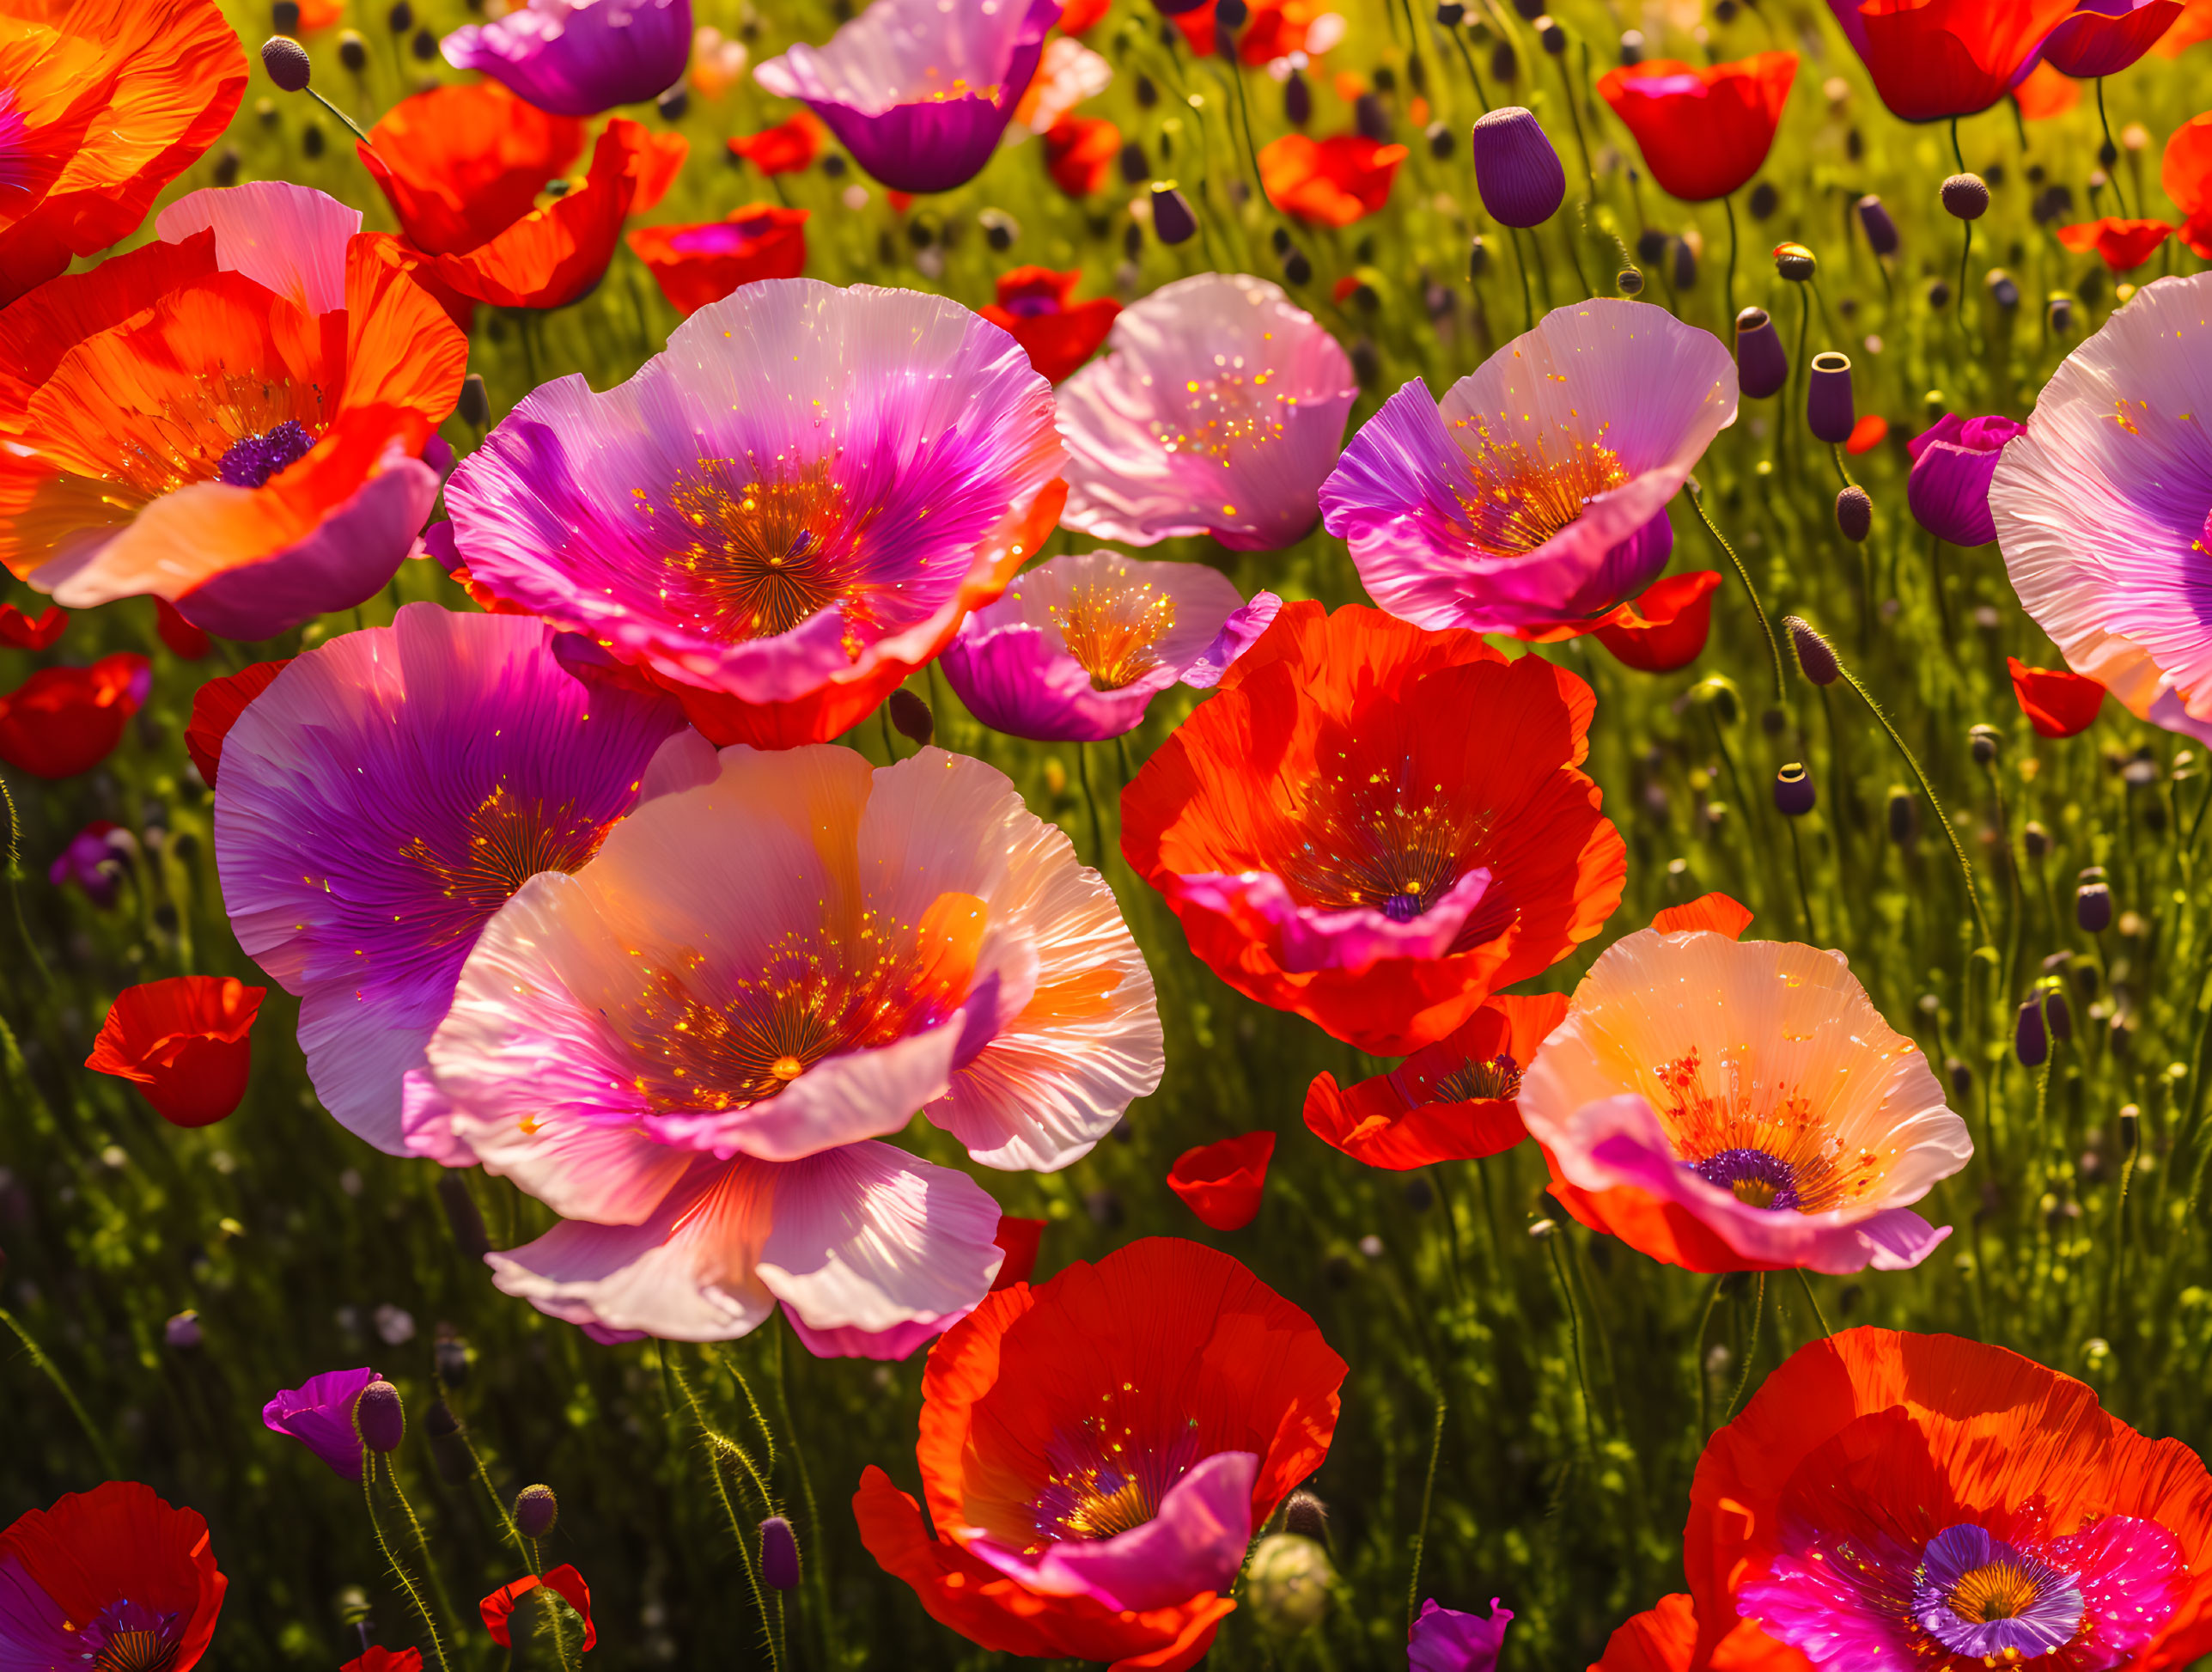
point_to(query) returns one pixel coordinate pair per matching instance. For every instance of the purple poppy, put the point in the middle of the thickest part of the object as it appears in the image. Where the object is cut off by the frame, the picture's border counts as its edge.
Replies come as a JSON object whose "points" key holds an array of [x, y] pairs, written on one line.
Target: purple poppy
{"points": [[1077, 647], [1952, 465], [1535, 495], [1218, 410], [96, 860], [578, 58], [384, 796], [1446, 1640], [319, 1414], [2104, 37], [917, 90]]}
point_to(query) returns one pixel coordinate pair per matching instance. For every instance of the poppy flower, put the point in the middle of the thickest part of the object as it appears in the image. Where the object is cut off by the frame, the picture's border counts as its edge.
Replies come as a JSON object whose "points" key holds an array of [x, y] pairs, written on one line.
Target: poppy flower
{"points": [[1739, 1106], [215, 708], [744, 521], [1276, 29], [1081, 17], [698, 264], [1078, 647], [1330, 182], [183, 640], [114, 1577], [64, 721], [1452, 1101], [1068, 73], [1037, 308], [1535, 494], [2122, 245], [1666, 628], [689, 1048], [1663, 1638], [1869, 433], [319, 1414], [186, 1043], [1703, 132], [105, 104], [578, 58], [95, 859], [1890, 1501], [23, 633], [1954, 463], [2104, 37], [918, 93], [297, 497], [2100, 507], [462, 167], [498, 1609], [1935, 59], [1221, 1182], [1339, 842], [1079, 153], [2057, 702], [383, 797], [1444, 1639], [2185, 171], [1017, 1240], [786, 148], [1097, 1452], [376, 1658], [1218, 409]]}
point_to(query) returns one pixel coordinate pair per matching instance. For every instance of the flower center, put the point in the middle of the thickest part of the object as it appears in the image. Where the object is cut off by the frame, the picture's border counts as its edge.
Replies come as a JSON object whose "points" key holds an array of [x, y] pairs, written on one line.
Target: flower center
{"points": [[1222, 413], [1103, 1478], [1977, 1595], [1110, 630], [1480, 1082], [250, 462], [1766, 1143], [130, 1637], [506, 842], [1378, 842], [1520, 498], [761, 556], [1757, 1179]]}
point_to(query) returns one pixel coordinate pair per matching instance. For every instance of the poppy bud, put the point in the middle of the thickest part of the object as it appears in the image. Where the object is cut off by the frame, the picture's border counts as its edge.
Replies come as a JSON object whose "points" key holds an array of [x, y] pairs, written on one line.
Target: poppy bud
{"points": [[400, 18], [1173, 223], [1297, 100], [1982, 743], [449, 1353], [1440, 141], [1370, 120], [1230, 13], [2093, 903], [1764, 201], [439, 1422], [672, 104], [2002, 290], [1000, 229], [1287, 1584], [1478, 259], [2057, 1013], [378, 1417], [1874, 221], [474, 407], [1530, 10], [1518, 174], [779, 1552], [912, 716], [1855, 514], [1961, 1078], [1628, 282], [1296, 268], [1449, 13], [2030, 1042], [1134, 165], [312, 143], [1685, 265], [2036, 839], [1549, 32], [1939, 294], [2062, 315], [1830, 411], [1306, 1517], [1816, 658], [353, 52], [287, 62], [2131, 1123], [1148, 94], [1793, 791], [1966, 197], [1631, 50], [536, 1510], [182, 1332], [1650, 246], [1762, 363], [1367, 363], [1794, 262]]}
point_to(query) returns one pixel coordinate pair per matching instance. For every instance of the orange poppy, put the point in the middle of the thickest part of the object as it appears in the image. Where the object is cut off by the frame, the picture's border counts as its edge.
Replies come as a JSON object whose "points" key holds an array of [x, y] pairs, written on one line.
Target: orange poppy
{"points": [[1036, 306], [1222, 1182], [1279, 824], [1334, 181], [1662, 1640], [64, 721], [1078, 17], [186, 1043], [102, 103], [463, 167], [1079, 153], [2195, 24], [785, 148], [2187, 174], [698, 264], [2122, 245]]}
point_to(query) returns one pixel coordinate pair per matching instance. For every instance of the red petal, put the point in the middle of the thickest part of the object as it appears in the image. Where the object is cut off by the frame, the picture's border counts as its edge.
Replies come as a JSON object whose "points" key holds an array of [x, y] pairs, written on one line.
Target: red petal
{"points": [[1667, 628], [1019, 1239], [1716, 911], [2058, 702], [1221, 1182], [215, 708]]}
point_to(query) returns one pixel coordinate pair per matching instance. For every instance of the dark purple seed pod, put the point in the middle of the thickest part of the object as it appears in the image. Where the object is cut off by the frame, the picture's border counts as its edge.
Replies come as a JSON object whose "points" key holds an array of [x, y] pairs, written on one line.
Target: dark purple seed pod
{"points": [[1816, 658], [378, 1417], [1440, 141], [779, 1554], [1874, 221], [1982, 742], [284, 17], [912, 718], [1370, 119], [1961, 1077], [1518, 173], [1830, 411], [1449, 12], [1904, 816], [1685, 265], [400, 18], [1134, 165], [671, 104], [1855, 514], [1173, 223], [474, 407], [1793, 791], [2131, 1129], [1549, 34], [287, 63], [2030, 1040], [536, 1510], [1764, 202], [2057, 1013], [1231, 14], [353, 52], [1966, 197], [2093, 904], [1650, 246], [1297, 100], [439, 1421], [1762, 363]]}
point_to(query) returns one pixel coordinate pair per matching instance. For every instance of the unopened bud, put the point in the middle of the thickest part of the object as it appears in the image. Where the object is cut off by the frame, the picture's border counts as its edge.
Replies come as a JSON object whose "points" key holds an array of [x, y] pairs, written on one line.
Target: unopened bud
{"points": [[779, 1554], [1297, 100], [1982, 742], [1961, 1077], [439, 1421], [1855, 514], [1816, 658], [2093, 902], [353, 52], [287, 63], [1628, 282], [1794, 262], [1880, 230], [400, 18], [1173, 223], [1308, 1518], [1793, 791], [1231, 14], [536, 1510], [2130, 1133], [2030, 1040], [671, 104], [378, 1417], [474, 406], [1966, 197], [1553, 37], [912, 718], [2036, 839], [1287, 1584]]}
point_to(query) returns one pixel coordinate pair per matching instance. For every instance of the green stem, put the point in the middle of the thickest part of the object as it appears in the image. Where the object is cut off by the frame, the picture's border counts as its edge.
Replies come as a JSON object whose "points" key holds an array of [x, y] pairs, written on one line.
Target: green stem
{"points": [[1574, 1340], [814, 1569], [1773, 646], [390, 1558], [354, 126], [54, 1374], [1805, 1281], [1729, 291], [549, 1604], [717, 1443], [1697, 1353], [1420, 1528], [1520, 261], [1098, 827], [2112, 173], [422, 1542], [1750, 1351], [16, 897]]}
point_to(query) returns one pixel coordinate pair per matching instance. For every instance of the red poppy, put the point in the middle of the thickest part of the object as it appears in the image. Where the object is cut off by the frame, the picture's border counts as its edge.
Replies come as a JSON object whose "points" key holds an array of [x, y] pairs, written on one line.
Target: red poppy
{"points": [[1888, 1451], [64, 721], [1017, 1239], [784, 148], [1221, 1182], [1667, 627], [185, 642], [1662, 1640], [1079, 153], [2058, 701], [2195, 24], [1334, 181], [1935, 59], [1452, 1101], [107, 101], [1272, 29], [1037, 309], [25, 634], [1166, 1383], [2098, 41], [564, 1581], [186, 1043], [1867, 434], [1703, 132], [698, 264], [2187, 174], [462, 167], [215, 708], [1079, 16], [1273, 823], [125, 1581], [377, 1659], [2123, 245]]}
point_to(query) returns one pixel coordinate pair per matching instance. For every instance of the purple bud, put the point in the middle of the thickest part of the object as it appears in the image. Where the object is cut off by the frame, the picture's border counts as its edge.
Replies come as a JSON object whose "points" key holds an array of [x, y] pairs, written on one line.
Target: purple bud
{"points": [[2093, 904], [1966, 197], [474, 406], [912, 718], [2030, 1042], [1829, 409], [1855, 514], [1762, 363], [536, 1510], [1880, 230], [779, 1554], [287, 63], [1369, 119], [2058, 1014], [1517, 172], [1297, 100], [182, 1332], [1793, 791], [1816, 658], [1173, 223], [378, 1417]]}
